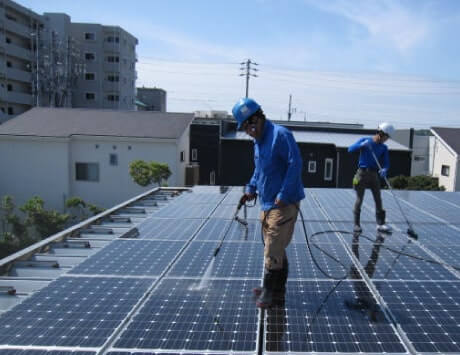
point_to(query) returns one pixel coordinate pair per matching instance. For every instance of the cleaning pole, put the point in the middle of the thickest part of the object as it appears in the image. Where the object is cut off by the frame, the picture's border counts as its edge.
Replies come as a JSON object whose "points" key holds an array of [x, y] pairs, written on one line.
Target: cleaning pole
{"points": [[410, 230]]}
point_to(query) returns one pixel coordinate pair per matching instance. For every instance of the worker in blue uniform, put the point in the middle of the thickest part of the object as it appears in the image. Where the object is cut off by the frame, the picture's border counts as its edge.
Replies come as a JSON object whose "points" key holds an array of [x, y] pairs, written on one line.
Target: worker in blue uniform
{"points": [[368, 174], [278, 182]]}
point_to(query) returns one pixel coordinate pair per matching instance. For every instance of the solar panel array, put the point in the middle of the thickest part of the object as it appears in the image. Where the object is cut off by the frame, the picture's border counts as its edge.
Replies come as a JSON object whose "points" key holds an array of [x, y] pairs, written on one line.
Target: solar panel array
{"points": [[372, 293]]}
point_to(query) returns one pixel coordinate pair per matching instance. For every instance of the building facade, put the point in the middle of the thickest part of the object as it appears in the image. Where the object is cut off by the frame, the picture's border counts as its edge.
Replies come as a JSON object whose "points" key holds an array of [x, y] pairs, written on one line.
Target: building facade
{"points": [[46, 60], [153, 99], [225, 156], [445, 156], [18, 32], [57, 153]]}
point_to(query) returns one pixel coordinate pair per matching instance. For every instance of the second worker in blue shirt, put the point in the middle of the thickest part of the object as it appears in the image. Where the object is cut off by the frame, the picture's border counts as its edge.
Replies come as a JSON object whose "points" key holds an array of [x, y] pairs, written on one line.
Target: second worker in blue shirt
{"points": [[277, 178]]}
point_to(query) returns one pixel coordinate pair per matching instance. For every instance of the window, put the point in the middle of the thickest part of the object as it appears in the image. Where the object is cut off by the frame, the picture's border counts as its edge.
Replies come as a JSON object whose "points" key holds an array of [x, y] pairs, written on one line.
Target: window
{"points": [[194, 154], [90, 76], [90, 96], [8, 40], [312, 166], [90, 36], [419, 158], [112, 97], [328, 169], [113, 78], [182, 156], [8, 64], [112, 39], [9, 87], [113, 59], [90, 56], [212, 178], [87, 171], [10, 111], [113, 159], [445, 170]]}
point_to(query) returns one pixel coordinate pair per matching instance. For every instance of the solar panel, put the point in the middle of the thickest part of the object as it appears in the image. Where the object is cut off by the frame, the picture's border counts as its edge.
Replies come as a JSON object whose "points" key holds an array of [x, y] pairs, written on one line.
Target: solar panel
{"points": [[330, 317], [235, 259], [131, 257], [147, 295], [168, 228], [178, 317], [80, 312]]}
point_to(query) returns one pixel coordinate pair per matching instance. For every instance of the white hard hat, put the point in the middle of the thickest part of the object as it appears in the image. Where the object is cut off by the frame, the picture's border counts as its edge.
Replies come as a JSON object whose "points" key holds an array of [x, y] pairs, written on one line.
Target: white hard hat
{"points": [[386, 128]]}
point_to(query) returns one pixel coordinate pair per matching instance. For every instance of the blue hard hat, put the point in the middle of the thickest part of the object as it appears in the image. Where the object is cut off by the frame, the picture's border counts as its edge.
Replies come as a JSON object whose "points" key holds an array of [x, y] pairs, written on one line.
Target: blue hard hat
{"points": [[244, 109]]}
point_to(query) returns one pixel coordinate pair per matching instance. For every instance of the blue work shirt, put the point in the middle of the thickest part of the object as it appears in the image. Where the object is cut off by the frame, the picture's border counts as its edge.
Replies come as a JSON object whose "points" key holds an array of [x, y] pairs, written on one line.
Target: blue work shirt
{"points": [[366, 159], [278, 167]]}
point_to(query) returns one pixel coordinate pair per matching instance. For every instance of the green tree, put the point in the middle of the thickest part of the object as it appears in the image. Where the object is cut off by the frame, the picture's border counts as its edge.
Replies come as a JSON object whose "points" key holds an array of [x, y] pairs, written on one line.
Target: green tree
{"points": [[80, 209], [144, 173], [45, 222], [420, 182], [160, 172], [141, 172]]}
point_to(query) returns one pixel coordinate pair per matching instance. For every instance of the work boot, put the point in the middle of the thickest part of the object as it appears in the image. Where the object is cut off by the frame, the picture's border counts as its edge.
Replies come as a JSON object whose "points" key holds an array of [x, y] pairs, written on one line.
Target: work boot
{"points": [[265, 299], [279, 290], [357, 218], [381, 225]]}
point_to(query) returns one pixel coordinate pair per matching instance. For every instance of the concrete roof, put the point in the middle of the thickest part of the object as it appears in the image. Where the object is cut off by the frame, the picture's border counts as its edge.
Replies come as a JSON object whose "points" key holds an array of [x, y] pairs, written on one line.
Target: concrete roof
{"points": [[450, 136], [66, 122], [340, 140]]}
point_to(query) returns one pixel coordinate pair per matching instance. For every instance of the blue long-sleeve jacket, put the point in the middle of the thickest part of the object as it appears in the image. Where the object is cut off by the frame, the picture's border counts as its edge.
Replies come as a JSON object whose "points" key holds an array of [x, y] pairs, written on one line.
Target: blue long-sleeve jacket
{"points": [[278, 167], [366, 159]]}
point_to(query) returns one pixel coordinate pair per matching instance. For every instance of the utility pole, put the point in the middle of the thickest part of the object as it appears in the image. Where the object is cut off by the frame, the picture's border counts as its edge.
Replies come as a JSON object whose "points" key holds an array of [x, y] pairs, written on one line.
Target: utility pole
{"points": [[246, 66], [289, 110]]}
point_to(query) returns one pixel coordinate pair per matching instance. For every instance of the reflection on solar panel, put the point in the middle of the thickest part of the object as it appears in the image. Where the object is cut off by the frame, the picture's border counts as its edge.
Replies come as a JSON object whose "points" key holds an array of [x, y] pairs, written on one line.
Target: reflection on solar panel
{"points": [[126, 257], [81, 312], [176, 317], [143, 296]]}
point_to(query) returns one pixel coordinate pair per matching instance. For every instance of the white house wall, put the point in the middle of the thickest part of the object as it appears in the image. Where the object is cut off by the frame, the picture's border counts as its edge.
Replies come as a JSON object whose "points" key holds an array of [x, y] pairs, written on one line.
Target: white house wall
{"points": [[442, 156], [34, 167], [115, 184]]}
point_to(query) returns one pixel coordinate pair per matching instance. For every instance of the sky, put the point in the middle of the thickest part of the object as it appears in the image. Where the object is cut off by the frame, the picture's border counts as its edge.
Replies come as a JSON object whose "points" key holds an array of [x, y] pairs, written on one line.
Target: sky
{"points": [[348, 61]]}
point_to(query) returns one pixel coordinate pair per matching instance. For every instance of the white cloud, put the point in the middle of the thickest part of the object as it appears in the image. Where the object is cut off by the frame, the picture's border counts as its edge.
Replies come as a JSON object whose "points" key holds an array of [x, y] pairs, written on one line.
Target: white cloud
{"points": [[387, 20]]}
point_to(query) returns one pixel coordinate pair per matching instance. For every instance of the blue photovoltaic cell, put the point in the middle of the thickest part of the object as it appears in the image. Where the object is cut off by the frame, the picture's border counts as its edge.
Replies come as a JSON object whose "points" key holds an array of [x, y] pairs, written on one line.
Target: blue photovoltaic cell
{"points": [[302, 266], [440, 234], [131, 257], [428, 313], [382, 263], [228, 211], [449, 254], [437, 207], [72, 311], [221, 317], [319, 318], [235, 259], [214, 229], [168, 229], [181, 211]]}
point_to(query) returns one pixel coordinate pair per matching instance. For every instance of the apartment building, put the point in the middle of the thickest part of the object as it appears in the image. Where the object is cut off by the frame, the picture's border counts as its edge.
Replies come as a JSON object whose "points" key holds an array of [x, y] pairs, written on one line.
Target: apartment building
{"points": [[18, 29], [109, 80], [46, 60], [151, 99]]}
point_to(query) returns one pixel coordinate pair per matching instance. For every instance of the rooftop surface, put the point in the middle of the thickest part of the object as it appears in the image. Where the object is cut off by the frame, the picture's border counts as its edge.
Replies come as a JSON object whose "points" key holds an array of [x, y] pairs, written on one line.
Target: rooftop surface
{"points": [[340, 140], [67, 122], [372, 294]]}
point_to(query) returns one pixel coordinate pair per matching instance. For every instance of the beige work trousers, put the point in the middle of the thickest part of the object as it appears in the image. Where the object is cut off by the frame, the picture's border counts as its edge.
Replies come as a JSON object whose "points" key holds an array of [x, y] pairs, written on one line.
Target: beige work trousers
{"points": [[278, 227]]}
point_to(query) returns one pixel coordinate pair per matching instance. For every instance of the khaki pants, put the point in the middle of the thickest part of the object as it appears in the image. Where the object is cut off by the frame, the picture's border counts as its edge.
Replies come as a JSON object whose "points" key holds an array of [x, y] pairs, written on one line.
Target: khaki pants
{"points": [[278, 227]]}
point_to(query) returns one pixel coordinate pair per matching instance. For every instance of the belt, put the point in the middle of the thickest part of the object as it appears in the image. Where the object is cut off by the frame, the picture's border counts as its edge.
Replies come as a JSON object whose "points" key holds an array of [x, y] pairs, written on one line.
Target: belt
{"points": [[369, 169]]}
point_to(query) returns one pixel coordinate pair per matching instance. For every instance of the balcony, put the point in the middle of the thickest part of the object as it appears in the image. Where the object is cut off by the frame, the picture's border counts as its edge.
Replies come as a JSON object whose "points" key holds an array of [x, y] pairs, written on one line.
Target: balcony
{"points": [[15, 97], [15, 27]]}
